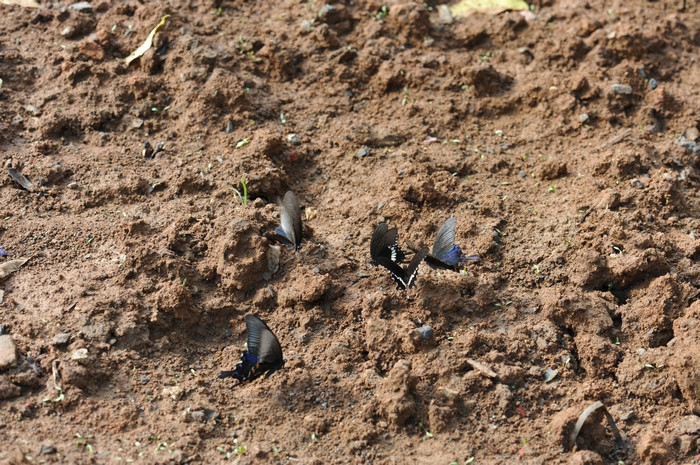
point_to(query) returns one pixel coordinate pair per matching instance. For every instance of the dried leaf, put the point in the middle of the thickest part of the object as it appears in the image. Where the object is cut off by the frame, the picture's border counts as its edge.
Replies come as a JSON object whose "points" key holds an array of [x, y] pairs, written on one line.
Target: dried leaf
{"points": [[20, 179], [11, 266], [23, 3], [585, 414], [483, 369], [465, 7], [147, 43]]}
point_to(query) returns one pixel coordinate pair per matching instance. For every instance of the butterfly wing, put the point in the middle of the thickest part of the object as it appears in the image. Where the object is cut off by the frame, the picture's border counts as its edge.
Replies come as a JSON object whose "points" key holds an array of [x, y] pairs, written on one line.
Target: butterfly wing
{"points": [[445, 239], [264, 345], [243, 369], [291, 218], [289, 230], [411, 272], [398, 274], [384, 244], [446, 254], [377, 243]]}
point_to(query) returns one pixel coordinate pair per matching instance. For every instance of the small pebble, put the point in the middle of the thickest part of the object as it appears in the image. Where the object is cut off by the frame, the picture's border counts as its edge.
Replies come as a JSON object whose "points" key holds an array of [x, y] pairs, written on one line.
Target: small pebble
{"points": [[293, 139], [653, 84], [637, 183], [622, 89], [363, 152], [692, 133], [60, 339], [80, 355], [145, 379], [627, 416], [47, 449], [229, 126], [426, 332], [444, 14], [84, 7], [326, 10], [583, 117], [8, 352]]}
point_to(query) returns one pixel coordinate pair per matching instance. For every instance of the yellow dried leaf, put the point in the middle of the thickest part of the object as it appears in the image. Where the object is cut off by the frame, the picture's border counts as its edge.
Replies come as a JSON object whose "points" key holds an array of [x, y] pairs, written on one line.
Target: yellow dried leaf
{"points": [[310, 213], [467, 6], [11, 266], [24, 3], [147, 43]]}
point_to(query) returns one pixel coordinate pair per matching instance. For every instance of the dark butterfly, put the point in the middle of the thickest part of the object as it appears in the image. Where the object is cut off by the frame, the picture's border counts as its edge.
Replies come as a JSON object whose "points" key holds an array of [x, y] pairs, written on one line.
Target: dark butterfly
{"points": [[289, 230], [384, 251], [264, 353], [384, 244], [446, 254]]}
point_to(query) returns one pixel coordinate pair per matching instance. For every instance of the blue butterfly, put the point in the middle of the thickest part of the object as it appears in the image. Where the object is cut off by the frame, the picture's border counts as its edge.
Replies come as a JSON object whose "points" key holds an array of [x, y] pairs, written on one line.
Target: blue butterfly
{"points": [[446, 254], [264, 354]]}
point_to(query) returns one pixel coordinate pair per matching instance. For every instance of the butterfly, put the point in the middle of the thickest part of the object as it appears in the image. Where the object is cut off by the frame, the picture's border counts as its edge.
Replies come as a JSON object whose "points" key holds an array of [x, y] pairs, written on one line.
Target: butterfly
{"points": [[264, 353], [384, 251], [446, 254], [289, 230], [384, 244]]}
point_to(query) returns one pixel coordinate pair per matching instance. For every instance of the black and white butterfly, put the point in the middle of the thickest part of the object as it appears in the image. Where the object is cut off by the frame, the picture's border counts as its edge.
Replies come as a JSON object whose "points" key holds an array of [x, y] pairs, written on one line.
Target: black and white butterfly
{"points": [[384, 251], [289, 230], [384, 244], [446, 254], [264, 353]]}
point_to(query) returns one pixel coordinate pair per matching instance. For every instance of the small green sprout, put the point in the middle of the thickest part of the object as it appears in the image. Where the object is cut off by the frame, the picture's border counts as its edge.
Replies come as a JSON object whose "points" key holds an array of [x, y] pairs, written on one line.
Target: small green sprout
{"points": [[243, 142], [82, 442], [283, 119], [536, 269], [428, 434], [242, 198], [382, 13], [405, 98], [552, 189]]}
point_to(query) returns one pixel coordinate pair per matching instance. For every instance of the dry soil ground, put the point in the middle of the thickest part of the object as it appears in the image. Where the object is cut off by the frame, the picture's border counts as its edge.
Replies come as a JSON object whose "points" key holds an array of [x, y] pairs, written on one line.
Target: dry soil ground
{"points": [[564, 140]]}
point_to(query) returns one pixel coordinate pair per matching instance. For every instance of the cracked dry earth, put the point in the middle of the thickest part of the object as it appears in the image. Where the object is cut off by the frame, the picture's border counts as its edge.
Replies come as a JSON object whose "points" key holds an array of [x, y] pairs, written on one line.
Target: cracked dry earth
{"points": [[564, 140]]}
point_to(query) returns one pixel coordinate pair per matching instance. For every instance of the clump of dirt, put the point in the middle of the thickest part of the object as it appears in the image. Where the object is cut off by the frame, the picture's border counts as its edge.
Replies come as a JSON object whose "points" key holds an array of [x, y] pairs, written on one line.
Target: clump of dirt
{"points": [[564, 140]]}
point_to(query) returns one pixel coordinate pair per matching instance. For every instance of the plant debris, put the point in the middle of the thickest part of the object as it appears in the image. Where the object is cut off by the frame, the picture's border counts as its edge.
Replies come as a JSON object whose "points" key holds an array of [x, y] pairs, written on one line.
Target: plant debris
{"points": [[147, 44], [11, 266], [585, 414], [20, 179]]}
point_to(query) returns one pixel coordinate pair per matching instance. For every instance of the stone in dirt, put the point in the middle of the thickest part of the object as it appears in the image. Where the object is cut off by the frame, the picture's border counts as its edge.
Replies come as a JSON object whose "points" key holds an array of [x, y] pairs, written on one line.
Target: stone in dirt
{"points": [[8, 352]]}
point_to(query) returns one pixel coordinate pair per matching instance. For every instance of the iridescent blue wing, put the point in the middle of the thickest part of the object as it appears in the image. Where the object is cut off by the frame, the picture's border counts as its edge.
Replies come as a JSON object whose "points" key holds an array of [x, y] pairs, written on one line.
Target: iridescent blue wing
{"points": [[243, 369], [446, 254], [445, 239], [264, 353]]}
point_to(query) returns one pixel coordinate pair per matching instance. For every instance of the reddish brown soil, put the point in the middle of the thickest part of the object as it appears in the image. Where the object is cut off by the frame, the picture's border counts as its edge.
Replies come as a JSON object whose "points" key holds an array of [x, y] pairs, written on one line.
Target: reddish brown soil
{"points": [[581, 201]]}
